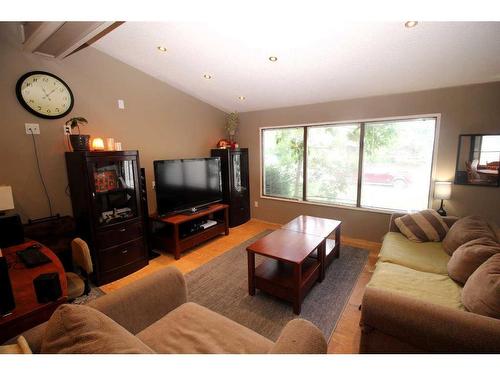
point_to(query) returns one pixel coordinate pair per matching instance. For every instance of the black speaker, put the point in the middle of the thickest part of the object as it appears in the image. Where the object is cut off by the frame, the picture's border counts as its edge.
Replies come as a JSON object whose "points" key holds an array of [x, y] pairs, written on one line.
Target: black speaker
{"points": [[145, 214], [47, 287], [7, 302], [11, 231]]}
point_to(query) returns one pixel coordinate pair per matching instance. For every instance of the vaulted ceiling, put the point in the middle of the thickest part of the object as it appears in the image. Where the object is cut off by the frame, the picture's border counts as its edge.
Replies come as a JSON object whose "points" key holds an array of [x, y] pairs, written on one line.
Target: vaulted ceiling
{"points": [[227, 64]]}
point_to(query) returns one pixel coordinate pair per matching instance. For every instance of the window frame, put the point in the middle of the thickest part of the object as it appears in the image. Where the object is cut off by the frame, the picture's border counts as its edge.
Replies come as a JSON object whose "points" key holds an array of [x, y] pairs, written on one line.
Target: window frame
{"points": [[361, 122]]}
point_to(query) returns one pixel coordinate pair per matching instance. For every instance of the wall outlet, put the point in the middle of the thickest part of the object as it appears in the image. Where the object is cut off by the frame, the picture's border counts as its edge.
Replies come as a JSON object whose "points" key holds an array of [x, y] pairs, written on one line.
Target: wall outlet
{"points": [[256, 204], [67, 130], [121, 104], [32, 128]]}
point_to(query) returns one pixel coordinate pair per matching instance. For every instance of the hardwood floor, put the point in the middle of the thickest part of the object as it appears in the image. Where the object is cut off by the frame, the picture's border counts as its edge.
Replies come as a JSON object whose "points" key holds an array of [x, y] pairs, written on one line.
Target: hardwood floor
{"points": [[345, 338]]}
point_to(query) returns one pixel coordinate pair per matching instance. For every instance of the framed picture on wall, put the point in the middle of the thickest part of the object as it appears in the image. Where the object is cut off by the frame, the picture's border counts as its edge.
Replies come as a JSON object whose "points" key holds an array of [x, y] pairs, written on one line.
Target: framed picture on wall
{"points": [[478, 160]]}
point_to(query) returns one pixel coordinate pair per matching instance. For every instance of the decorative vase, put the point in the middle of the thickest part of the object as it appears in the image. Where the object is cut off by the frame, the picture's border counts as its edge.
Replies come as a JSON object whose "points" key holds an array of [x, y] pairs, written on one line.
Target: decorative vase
{"points": [[79, 142]]}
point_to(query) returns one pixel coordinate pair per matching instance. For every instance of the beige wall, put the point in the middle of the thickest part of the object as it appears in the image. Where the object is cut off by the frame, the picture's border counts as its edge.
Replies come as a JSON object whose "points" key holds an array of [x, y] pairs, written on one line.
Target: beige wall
{"points": [[159, 120], [466, 109]]}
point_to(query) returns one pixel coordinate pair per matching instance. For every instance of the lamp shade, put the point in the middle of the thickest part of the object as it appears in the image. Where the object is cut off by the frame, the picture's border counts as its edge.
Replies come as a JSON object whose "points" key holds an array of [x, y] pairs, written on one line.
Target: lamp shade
{"points": [[442, 190], [6, 200], [98, 144]]}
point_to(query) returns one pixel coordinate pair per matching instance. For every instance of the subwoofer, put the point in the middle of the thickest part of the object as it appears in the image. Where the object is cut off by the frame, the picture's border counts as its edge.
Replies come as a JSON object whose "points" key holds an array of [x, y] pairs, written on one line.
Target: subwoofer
{"points": [[47, 287]]}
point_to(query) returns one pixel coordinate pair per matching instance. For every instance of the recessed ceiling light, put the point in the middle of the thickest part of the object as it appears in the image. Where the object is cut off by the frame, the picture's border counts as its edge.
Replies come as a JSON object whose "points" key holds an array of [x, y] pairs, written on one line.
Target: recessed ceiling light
{"points": [[162, 49], [410, 24], [207, 76], [273, 58], [241, 98]]}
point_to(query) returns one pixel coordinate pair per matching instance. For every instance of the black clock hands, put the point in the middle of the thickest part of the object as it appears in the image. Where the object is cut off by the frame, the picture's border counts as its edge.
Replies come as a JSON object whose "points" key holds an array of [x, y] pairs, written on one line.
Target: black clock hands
{"points": [[47, 95]]}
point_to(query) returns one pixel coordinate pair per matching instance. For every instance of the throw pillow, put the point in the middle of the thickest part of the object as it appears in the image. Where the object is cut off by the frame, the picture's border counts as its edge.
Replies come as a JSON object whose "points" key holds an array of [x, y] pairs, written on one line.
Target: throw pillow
{"points": [[481, 293], [80, 329], [422, 226], [464, 230], [469, 256]]}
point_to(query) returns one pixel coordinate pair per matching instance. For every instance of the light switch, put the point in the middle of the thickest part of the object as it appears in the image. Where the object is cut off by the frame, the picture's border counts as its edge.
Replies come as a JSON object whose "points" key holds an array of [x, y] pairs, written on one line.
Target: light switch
{"points": [[121, 104]]}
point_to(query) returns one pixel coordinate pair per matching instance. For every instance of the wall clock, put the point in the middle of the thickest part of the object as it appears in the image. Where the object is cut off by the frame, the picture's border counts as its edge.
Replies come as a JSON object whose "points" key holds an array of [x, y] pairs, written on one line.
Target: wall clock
{"points": [[44, 95]]}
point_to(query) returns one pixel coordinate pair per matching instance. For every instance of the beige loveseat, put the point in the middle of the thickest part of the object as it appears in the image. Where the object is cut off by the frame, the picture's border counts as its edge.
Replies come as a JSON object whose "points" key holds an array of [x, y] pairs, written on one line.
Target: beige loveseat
{"points": [[411, 305], [156, 311]]}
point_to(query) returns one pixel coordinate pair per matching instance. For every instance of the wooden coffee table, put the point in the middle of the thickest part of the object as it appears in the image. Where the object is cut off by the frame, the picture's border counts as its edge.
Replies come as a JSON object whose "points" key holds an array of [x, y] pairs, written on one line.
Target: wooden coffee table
{"points": [[290, 272], [326, 228]]}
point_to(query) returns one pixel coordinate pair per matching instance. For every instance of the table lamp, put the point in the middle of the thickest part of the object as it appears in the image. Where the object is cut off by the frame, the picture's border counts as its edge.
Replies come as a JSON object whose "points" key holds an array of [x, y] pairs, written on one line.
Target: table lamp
{"points": [[98, 144], [442, 190], [6, 200]]}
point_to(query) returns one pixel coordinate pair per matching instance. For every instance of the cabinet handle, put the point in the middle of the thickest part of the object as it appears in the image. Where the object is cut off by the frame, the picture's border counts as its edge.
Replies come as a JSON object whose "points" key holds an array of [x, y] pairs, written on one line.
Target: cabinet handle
{"points": [[124, 251], [122, 230]]}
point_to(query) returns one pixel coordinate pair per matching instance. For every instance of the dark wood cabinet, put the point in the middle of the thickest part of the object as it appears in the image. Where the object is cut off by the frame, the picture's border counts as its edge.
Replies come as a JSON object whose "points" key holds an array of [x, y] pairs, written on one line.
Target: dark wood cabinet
{"points": [[235, 183], [108, 207]]}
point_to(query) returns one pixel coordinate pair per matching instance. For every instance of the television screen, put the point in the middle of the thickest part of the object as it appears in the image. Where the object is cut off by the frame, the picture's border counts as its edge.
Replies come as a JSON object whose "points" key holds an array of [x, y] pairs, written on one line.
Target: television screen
{"points": [[185, 184]]}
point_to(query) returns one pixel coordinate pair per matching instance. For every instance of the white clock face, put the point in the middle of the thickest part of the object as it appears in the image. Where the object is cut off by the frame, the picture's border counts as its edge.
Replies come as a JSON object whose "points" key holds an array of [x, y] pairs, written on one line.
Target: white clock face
{"points": [[44, 95]]}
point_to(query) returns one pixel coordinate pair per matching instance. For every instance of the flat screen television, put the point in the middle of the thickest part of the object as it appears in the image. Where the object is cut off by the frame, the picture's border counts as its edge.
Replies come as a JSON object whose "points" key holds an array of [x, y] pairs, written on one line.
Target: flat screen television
{"points": [[187, 184]]}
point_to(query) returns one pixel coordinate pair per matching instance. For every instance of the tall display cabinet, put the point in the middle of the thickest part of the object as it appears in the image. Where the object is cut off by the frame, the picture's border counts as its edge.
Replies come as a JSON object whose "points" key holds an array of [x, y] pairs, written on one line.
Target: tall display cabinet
{"points": [[107, 202], [235, 183]]}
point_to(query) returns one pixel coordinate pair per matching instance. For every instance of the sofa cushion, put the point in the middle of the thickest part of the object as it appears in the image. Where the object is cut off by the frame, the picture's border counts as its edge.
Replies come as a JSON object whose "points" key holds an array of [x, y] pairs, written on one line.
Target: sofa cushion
{"points": [[422, 226], [469, 256], [420, 256], [425, 286], [467, 229], [496, 229], [481, 294], [193, 329], [79, 329]]}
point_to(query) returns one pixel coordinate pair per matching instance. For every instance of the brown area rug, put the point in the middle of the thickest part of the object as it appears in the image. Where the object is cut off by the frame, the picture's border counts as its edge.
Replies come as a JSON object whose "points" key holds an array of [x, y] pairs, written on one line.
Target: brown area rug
{"points": [[94, 293], [221, 285]]}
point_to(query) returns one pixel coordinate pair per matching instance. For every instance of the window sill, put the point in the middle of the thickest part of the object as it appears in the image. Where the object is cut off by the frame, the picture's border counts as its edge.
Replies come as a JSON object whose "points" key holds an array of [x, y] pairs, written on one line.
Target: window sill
{"points": [[345, 207]]}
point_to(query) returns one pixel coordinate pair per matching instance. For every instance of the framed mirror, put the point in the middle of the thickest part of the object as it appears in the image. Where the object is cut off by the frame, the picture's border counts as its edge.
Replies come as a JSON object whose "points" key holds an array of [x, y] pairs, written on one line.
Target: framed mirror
{"points": [[478, 159]]}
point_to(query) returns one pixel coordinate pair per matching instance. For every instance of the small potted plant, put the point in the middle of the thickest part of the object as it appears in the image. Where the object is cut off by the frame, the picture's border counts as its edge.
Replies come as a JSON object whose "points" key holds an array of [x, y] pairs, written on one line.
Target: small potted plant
{"points": [[79, 142], [232, 122]]}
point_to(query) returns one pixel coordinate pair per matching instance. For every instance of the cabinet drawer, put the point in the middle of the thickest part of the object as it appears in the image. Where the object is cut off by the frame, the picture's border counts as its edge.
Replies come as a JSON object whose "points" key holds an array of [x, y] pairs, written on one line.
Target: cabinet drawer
{"points": [[119, 234], [121, 255]]}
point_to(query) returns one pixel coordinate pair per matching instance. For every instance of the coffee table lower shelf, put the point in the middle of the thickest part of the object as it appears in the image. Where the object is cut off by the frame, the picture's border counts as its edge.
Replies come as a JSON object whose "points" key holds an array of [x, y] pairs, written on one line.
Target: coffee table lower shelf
{"points": [[283, 281]]}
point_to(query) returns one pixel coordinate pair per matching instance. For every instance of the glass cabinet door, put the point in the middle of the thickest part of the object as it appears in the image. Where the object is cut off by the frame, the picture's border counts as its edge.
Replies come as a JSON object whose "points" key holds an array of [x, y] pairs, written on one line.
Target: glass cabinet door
{"points": [[236, 172], [114, 184]]}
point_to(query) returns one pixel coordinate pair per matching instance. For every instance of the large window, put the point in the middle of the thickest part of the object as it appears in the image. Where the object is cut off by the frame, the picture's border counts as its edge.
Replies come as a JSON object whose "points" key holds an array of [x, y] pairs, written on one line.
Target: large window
{"points": [[332, 164], [283, 161], [373, 164]]}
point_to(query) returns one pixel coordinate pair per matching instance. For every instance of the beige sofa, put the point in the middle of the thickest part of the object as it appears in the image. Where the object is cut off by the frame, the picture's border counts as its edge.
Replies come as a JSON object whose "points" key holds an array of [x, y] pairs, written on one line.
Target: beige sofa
{"points": [[155, 310], [411, 305]]}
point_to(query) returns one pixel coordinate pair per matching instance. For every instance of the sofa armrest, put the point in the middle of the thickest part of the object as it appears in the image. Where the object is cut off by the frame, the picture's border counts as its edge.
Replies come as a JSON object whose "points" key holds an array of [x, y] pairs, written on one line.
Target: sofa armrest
{"points": [[392, 224], [143, 302], [430, 327], [300, 337]]}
